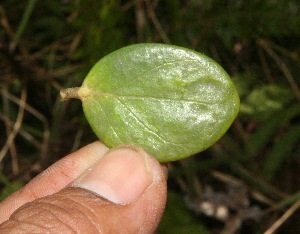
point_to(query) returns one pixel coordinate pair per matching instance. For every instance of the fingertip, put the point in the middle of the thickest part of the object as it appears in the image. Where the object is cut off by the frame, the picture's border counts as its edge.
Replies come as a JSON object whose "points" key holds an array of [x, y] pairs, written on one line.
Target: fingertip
{"points": [[121, 175]]}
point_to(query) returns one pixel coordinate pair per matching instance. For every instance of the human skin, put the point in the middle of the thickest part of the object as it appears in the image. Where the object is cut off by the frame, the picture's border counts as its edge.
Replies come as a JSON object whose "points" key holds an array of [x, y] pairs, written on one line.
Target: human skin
{"points": [[93, 190]]}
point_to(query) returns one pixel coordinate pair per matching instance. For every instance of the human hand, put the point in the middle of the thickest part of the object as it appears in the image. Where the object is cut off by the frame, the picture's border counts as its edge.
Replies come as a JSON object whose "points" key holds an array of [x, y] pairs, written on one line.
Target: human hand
{"points": [[93, 190]]}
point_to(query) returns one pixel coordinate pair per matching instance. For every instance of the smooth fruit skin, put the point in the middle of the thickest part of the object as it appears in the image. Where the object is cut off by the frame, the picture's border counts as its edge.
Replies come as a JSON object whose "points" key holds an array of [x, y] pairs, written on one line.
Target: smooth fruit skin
{"points": [[169, 100]]}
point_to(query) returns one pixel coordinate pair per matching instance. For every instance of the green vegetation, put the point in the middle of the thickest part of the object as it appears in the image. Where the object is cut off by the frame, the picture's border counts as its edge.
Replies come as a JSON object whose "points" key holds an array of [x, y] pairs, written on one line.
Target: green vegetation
{"points": [[253, 170], [137, 94]]}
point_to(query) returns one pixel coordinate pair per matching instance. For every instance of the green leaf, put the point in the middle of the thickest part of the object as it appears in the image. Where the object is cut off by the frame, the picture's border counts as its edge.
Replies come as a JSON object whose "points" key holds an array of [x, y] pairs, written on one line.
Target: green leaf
{"points": [[281, 151], [263, 136], [171, 101], [265, 101]]}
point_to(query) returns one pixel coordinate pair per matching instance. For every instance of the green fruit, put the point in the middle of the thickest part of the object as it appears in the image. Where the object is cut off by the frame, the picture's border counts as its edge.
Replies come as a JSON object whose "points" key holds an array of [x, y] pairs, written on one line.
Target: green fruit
{"points": [[171, 101]]}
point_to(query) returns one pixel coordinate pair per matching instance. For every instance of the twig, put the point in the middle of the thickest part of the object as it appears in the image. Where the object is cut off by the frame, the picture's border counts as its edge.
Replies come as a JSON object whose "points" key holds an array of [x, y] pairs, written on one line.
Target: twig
{"points": [[17, 124], [8, 128], [140, 20], [38, 115], [23, 24], [27, 136], [283, 218], [225, 178], [285, 203], [156, 22], [5, 23], [260, 184], [264, 64], [282, 67]]}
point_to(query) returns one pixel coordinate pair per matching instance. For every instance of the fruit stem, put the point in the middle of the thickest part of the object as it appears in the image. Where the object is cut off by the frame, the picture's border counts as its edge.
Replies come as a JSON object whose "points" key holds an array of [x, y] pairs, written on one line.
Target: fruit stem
{"points": [[68, 93]]}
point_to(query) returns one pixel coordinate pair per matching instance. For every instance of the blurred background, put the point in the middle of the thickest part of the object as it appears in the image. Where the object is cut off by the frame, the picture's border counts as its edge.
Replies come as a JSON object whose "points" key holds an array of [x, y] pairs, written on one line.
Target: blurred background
{"points": [[248, 182]]}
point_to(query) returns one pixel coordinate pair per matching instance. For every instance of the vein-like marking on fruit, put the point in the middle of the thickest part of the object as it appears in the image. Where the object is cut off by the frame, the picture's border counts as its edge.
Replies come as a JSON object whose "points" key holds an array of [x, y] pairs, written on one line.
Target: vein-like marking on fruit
{"points": [[107, 121], [157, 67], [85, 93], [145, 126]]}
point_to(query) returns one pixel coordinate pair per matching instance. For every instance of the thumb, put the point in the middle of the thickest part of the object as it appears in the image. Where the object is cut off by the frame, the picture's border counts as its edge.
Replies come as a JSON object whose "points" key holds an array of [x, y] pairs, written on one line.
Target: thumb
{"points": [[124, 191]]}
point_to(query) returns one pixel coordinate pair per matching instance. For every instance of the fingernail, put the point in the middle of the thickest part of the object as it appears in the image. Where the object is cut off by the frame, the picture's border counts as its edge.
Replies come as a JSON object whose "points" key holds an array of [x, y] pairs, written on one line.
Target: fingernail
{"points": [[120, 176]]}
